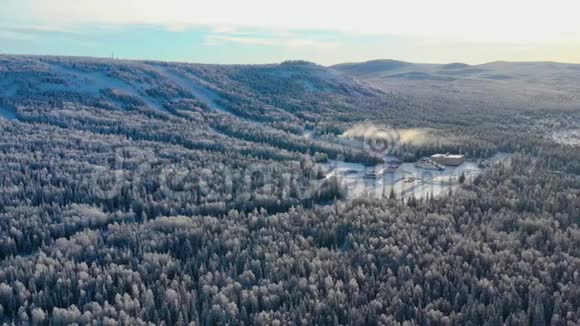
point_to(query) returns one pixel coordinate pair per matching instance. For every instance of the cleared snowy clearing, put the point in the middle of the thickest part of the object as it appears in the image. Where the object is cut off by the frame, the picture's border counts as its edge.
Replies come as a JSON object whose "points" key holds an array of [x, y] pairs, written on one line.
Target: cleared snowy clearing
{"points": [[567, 137], [405, 181], [94, 82]]}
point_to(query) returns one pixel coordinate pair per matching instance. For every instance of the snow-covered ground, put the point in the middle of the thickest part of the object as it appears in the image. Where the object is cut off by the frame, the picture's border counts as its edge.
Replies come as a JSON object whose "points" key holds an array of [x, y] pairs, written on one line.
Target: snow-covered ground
{"points": [[406, 180], [568, 137], [7, 114], [8, 87], [308, 133], [94, 82], [196, 87]]}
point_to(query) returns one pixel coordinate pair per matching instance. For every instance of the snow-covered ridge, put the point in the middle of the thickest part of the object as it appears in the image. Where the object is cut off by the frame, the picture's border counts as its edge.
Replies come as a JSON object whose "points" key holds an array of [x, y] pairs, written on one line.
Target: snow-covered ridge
{"points": [[152, 84]]}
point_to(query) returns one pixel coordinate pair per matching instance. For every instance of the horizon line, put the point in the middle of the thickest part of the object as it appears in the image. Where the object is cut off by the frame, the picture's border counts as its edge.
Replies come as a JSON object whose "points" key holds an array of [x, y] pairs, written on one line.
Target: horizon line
{"points": [[281, 62]]}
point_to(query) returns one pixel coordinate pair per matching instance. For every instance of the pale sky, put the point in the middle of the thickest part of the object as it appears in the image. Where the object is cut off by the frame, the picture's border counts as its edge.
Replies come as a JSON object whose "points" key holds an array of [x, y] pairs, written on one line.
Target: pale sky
{"points": [[323, 31]]}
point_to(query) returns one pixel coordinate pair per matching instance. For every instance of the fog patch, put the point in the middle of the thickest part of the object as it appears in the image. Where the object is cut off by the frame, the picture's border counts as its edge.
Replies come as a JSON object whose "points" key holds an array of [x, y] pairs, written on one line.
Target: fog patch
{"points": [[411, 136]]}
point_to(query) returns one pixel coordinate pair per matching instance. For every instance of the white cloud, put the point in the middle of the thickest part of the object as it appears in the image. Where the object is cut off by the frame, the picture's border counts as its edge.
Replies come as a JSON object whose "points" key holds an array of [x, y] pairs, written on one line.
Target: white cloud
{"points": [[460, 20], [284, 42], [18, 36], [30, 32]]}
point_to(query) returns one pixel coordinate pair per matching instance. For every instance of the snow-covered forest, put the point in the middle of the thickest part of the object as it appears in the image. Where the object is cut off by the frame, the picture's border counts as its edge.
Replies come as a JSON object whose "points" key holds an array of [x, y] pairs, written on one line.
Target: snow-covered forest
{"points": [[155, 193]]}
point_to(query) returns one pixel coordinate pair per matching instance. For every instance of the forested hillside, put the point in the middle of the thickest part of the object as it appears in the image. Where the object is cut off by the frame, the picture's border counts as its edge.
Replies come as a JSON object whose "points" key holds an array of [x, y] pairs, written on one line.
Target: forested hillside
{"points": [[491, 87], [155, 193]]}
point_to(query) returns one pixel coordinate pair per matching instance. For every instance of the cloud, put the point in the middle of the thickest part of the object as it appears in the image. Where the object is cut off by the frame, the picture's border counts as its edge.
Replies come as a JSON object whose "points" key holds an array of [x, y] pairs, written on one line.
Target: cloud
{"points": [[224, 29], [30, 28], [31, 32], [460, 20], [18, 36], [282, 42]]}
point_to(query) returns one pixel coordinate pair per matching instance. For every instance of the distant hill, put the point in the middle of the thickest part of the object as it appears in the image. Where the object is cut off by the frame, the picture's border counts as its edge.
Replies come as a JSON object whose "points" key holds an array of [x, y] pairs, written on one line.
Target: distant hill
{"points": [[371, 67], [491, 86], [153, 83], [265, 111]]}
